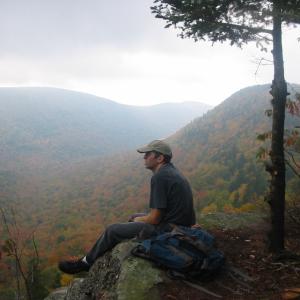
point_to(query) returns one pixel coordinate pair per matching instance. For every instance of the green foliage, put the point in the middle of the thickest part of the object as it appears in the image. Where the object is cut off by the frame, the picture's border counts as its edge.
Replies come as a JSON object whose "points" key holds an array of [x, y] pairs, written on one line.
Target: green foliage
{"points": [[218, 197], [238, 22], [50, 278], [229, 221], [264, 136], [269, 112], [36, 283], [262, 153], [291, 136], [7, 293], [8, 247], [293, 190]]}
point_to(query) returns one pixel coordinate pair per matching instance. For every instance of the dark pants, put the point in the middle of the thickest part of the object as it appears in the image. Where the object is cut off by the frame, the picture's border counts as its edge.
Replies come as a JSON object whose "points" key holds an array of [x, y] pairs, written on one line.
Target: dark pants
{"points": [[115, 234]]}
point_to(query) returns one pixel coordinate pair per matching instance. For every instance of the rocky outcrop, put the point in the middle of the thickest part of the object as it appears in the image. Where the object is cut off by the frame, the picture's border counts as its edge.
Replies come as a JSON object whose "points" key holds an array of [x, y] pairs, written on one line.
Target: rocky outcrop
{"points": [[115, 276], [58, 294]]}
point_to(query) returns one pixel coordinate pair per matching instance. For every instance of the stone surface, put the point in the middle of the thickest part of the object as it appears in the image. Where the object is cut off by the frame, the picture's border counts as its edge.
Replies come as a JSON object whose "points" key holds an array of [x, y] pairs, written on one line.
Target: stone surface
{"points": [[116, 276], [136, 279], [58, 294]]}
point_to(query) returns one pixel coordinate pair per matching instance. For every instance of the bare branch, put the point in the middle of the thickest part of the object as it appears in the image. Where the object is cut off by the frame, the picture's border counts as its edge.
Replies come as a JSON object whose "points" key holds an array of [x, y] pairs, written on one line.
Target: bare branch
{"points": [[255, 30], [293, 158], [292, 168]]}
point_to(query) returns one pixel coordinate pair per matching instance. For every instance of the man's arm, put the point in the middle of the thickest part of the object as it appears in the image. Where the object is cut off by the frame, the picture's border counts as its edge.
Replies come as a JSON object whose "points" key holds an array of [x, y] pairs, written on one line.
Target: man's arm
{"points": [[154, 217]]}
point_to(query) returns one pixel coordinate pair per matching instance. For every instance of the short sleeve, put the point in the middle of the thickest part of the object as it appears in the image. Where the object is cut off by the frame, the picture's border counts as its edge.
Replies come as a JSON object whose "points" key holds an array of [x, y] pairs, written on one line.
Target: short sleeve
{"points": [[158, 192]]}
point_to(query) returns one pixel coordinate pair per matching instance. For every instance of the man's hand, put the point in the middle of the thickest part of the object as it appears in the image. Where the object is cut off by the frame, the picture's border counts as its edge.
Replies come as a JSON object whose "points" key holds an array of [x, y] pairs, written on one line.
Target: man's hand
{"points": [[139, 219], [153, 217], [197, 226], [132, 217]]}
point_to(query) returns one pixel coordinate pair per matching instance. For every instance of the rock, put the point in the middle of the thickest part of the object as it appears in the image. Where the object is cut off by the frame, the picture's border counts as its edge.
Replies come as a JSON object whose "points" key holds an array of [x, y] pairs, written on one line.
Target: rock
{"points": [[58, 294], [117, 275]]}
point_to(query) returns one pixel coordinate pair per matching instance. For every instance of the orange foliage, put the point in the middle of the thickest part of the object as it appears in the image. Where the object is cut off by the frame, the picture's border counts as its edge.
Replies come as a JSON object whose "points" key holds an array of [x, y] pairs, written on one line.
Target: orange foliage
{"points": [[211, 208]]}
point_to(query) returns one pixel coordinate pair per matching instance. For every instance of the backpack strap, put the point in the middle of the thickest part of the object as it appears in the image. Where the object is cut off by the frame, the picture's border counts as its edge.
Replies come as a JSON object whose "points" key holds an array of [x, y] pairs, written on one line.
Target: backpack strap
{"points": [[139, 252], [187, 258], [197, 243]]}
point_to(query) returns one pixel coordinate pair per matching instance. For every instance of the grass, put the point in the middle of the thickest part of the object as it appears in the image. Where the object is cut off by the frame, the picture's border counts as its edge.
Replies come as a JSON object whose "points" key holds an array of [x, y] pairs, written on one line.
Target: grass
{"points": [[230, 221]]}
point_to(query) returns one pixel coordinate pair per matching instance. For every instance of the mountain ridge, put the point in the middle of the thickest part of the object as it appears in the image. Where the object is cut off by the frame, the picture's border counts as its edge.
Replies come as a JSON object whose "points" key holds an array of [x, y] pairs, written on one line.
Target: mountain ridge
{"points": [[60, 125], [216, 150]]}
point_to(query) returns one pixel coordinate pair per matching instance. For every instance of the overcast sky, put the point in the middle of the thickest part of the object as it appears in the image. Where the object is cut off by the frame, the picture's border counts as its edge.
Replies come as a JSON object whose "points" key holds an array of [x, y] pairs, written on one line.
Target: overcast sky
{"points": [[116, 49]]}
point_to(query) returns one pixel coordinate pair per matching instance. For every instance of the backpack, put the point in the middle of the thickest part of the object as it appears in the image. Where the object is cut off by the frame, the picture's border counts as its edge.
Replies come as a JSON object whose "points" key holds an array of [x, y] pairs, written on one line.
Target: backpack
{"points": [[186, 253]]}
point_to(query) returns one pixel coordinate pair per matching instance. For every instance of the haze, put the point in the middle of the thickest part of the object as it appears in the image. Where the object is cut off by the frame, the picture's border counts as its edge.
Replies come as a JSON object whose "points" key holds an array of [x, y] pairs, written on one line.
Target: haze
{"points": [[118, 50]]}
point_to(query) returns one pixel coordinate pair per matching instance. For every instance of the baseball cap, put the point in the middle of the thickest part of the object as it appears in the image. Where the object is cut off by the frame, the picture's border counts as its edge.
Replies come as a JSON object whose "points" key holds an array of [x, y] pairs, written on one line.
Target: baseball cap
{"points": [[158, 146]]}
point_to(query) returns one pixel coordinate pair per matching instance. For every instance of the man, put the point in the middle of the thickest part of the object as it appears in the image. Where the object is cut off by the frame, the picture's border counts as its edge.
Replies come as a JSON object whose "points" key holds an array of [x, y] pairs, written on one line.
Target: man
{"points": [[171, 202]]}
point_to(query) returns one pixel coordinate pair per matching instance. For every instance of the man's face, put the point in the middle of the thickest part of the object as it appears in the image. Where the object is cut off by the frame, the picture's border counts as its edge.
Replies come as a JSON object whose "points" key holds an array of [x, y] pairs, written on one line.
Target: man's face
{"points": [[152, 162]]}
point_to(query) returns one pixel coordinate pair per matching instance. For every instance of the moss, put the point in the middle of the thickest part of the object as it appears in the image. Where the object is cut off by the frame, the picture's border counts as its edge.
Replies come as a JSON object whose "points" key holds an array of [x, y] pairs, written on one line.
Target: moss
{"points": [[229, 221], [137, 278], [118, 275]]}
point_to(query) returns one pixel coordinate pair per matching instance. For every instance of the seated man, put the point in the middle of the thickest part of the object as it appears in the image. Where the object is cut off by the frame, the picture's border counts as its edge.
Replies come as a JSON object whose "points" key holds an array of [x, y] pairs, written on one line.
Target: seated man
{"points": [[171, 202]]}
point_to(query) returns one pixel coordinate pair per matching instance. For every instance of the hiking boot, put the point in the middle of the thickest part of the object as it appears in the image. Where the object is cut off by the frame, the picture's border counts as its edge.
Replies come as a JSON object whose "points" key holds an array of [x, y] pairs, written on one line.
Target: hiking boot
{"points": [[73, 266]]}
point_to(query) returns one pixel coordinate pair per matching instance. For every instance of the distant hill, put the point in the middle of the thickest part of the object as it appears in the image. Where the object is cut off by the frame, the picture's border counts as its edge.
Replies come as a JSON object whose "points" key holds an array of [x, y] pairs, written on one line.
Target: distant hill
{"points": [[40, 126]]}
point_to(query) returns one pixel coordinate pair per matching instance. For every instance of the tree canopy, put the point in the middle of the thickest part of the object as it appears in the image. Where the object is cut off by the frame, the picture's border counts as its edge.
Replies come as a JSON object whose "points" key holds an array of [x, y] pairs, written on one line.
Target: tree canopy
{"points": [[237, 21]]}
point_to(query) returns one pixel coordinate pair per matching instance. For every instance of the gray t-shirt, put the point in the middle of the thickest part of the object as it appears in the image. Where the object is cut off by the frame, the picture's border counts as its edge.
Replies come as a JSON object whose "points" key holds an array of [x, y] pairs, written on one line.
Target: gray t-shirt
{"points": [[171, 192]]}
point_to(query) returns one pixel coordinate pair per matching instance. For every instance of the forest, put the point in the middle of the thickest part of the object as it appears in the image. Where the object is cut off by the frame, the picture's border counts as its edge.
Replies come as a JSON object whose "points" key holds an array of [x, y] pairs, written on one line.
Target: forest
{"points": [[60, 211]]}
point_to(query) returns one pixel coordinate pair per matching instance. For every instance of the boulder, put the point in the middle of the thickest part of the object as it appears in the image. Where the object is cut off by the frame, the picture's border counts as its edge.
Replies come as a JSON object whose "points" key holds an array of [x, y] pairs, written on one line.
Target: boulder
{"points": [[58, 294], [117, 275]]}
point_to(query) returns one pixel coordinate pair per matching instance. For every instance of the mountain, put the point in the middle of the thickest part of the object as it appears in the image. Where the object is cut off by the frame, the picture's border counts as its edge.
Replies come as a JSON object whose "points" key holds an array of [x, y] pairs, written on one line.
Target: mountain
{"points": [[72, 203], [217, 152], [222, 144], [44, 126]]}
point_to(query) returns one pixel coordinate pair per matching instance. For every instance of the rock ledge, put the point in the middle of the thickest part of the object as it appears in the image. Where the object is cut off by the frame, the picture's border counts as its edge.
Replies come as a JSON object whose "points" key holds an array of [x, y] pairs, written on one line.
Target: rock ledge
{"points": [[115, 276]]}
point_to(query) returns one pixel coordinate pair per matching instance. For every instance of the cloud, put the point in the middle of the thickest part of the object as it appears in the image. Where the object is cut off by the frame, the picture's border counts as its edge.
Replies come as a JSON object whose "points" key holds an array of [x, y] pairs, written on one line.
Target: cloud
{"points": [[41, 28], [117, 49]]}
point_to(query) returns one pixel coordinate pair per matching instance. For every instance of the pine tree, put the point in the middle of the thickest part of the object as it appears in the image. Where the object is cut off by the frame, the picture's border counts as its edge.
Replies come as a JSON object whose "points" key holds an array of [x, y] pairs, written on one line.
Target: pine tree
{"points": [[240, 22]]}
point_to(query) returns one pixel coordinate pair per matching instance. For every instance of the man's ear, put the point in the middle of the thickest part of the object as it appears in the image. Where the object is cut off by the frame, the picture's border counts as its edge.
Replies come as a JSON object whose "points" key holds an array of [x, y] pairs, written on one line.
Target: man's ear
{"points": [[160, 158]]}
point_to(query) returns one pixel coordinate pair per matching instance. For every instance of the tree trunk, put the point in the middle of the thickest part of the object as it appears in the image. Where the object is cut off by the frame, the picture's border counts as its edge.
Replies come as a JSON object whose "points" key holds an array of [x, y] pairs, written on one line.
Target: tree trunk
{"points": [[277, 170]]}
